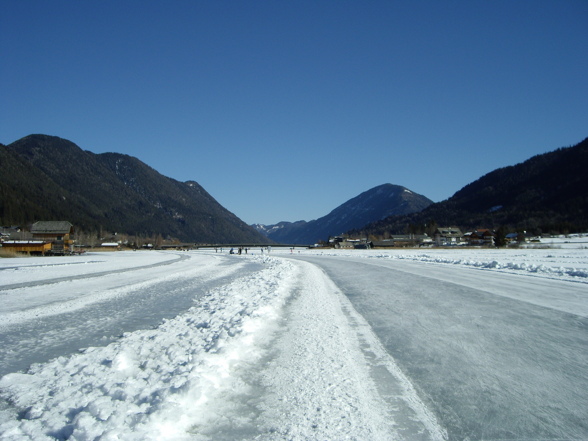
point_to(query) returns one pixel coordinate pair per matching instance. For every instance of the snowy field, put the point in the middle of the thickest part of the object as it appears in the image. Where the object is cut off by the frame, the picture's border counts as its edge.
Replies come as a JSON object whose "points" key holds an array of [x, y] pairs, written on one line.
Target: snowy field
{"points": [[210, 346]]}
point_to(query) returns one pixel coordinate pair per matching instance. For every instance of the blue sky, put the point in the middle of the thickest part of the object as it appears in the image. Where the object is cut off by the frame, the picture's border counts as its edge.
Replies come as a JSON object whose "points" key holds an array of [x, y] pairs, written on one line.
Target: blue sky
{"points": [[284, 110]]}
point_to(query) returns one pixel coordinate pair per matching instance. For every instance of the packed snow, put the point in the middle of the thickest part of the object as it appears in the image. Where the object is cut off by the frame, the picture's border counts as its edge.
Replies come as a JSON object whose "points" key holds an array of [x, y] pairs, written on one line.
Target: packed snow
{"points": [[248, 347], [559, 259]]}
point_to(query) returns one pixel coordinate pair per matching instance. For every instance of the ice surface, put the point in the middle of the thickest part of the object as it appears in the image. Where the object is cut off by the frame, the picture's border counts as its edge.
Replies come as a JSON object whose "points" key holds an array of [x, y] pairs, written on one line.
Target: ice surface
{"points": [[494, 354], [266, 348]]}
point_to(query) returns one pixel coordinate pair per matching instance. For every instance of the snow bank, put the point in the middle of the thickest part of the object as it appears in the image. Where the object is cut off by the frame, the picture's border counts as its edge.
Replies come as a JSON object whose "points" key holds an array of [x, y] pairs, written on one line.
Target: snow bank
{"points": [[489, 263], [560, 264]]}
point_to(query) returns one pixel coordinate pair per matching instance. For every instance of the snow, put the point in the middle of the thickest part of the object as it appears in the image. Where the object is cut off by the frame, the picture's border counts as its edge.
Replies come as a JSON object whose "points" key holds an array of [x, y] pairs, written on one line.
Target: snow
{"points": [[559, 259], [17, 270], [233, 366], [269, 347]]}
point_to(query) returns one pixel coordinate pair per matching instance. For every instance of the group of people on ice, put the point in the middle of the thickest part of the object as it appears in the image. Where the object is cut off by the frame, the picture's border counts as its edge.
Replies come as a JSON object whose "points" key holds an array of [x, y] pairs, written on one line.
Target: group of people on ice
{"points": [[241, 249]]}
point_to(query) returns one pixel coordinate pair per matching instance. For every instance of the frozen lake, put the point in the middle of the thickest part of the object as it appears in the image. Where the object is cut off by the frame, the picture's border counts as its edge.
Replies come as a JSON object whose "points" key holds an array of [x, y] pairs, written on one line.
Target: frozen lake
{"points": [[435, 344], [494, 355]]}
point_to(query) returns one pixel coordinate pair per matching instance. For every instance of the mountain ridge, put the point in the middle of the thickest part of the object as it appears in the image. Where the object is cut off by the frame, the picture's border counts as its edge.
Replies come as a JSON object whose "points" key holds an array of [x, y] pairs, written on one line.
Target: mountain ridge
{"points": [[50, 178], [547, 192], [373, 204]]}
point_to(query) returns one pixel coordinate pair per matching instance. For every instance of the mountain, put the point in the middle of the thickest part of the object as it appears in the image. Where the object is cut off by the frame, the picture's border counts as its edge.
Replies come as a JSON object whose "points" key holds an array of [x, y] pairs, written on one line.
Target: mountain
{"points": [[377, 203], [546, 193], [48, 178], [280, 229]]}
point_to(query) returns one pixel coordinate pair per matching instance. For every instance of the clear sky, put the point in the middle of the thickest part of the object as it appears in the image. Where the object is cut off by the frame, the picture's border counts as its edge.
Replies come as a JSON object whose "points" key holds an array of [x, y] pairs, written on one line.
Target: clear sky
{"points": [[283, 110]]}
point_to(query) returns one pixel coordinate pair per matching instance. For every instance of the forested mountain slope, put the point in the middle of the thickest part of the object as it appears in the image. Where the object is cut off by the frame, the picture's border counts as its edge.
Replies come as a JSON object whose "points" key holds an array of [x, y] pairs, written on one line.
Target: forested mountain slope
{"points": [[48, 178], [546, 193]]}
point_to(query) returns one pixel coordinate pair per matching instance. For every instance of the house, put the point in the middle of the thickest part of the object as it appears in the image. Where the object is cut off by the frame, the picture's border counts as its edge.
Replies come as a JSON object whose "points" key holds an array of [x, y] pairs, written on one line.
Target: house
{"points": [[404, 240], [520, 238], [482, 237], [346, 244], [354, 244], [335, 240], [448, 236], [512, 238], [58, 233]]}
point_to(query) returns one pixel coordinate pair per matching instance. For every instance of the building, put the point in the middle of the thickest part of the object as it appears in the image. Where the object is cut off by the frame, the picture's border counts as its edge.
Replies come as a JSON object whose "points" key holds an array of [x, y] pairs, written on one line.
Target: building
{"points": [[448, 236], [354, 244], [58, 233], [30, 247], [482, 237], [404, 240]]}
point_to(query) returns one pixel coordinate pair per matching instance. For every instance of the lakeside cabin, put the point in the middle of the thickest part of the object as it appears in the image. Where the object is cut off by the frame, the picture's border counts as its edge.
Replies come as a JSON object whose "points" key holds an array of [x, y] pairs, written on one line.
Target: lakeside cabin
{"points": [[58, 233], [48, 237]]}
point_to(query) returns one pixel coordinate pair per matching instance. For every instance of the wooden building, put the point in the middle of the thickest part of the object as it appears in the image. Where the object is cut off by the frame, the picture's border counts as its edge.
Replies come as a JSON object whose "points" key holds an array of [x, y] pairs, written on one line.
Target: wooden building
{"points": [[31, 247], [58, 233]]}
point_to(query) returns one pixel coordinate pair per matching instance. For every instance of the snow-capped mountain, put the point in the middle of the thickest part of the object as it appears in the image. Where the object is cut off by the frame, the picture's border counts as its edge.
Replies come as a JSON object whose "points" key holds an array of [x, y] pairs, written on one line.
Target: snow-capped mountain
{"points": [[370, 206]]}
